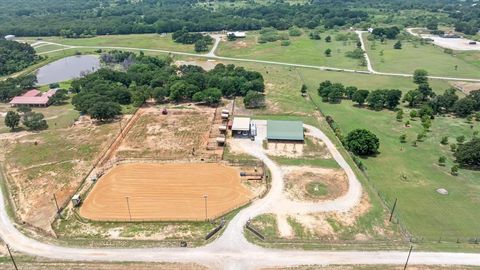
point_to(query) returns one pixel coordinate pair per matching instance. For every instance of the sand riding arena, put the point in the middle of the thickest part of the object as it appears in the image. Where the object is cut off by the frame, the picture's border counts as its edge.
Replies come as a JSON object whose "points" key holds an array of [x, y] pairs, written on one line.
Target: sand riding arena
{"points": [[180, 191]]}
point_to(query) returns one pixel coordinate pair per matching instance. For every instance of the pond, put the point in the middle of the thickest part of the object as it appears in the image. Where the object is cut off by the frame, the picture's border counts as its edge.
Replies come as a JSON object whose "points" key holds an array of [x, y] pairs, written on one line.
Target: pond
{"points": [[67, 68]]}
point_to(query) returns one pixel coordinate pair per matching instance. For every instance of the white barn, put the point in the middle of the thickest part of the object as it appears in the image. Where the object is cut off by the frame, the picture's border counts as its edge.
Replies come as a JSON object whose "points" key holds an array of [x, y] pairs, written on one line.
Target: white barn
{"points": [[9, 37], [237, 34]]}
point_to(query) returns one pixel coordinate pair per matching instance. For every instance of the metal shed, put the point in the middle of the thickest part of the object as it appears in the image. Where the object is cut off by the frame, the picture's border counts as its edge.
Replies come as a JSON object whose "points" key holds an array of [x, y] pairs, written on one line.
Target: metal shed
{"points": [[285, 130]]}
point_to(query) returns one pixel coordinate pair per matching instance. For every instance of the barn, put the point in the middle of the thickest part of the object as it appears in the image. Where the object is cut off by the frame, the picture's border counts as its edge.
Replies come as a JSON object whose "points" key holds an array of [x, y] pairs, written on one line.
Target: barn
{"points": [[241, 126], [285, 131]]}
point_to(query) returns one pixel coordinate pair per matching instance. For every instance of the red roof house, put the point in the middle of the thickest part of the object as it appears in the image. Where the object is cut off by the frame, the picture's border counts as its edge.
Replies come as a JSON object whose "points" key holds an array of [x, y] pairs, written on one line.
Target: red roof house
{"points": [[33, 98]]}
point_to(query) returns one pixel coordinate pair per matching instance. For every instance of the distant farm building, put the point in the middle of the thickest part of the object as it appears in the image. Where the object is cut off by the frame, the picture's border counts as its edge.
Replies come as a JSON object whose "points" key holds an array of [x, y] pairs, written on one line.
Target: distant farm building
{"points": [[237, 34], [285, 131], [9, 37], [241, 126], [33, 98]]}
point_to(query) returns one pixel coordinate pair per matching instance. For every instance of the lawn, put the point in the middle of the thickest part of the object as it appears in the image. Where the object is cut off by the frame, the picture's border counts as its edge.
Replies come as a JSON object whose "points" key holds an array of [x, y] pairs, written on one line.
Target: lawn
{"points": [[146, 41], [48, 48], [413, 174], [423, 211], [414, 55], [302, 50]]}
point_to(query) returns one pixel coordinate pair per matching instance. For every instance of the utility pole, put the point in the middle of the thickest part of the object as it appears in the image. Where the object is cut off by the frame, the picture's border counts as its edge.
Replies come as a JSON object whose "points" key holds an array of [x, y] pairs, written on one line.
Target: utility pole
{"points": [[128, 206], [56, 204], [11, 257], [393, 209], [206, 213], [408, 258]]}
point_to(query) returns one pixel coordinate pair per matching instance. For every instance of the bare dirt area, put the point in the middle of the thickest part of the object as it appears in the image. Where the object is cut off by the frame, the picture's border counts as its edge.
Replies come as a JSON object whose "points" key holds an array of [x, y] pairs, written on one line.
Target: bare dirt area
{"points": [[332, 225], [165, 192], [50, 265], [51, 162], [180, 134], [375, 267], [311, 148], [206, 65], [466, 87], [332, 183]]}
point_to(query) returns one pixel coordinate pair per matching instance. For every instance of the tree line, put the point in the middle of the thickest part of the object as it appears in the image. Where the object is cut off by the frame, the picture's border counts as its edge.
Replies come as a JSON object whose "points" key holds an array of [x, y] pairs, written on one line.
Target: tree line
{"points": [[101, 94], [15, 56], [78, 19]]}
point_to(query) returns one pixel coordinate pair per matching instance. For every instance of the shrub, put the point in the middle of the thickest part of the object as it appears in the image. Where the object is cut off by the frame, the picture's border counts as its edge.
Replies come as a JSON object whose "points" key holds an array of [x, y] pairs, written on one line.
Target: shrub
{"points": [[285, 43], [453, 147], [468, 154], [454, 170], [441, 161], [362, 142], [460, 139], [444, 140], [403, 138]]}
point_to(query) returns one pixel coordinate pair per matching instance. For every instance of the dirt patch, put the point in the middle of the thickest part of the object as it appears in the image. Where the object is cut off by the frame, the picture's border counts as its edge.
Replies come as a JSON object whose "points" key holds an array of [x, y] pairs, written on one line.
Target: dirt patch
{"points": [[297, 180], [310, 148], [331, 225], [181, 134], [206, 65], [101, 266], [52, 162], [165, 192], [466, 87]]}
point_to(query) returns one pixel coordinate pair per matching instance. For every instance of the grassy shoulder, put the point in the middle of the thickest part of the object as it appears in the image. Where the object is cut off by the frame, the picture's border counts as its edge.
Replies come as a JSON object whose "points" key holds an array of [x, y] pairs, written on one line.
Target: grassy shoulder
{"points": [[416, 54], [301, 50]]}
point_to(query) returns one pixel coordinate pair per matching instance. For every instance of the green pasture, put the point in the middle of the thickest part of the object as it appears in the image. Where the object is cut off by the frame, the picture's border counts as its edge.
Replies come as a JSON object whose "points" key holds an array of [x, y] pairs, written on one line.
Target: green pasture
{"points": [[414, 55], [145, 41], [302, 50]]}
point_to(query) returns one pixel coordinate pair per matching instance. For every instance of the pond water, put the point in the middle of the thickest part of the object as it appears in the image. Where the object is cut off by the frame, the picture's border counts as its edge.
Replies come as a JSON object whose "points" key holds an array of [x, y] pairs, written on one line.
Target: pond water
{"points": [[67, 68]]}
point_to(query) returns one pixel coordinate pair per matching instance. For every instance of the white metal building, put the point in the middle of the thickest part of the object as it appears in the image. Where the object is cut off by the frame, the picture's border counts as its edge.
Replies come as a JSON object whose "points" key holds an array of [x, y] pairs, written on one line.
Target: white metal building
{"points": [[241, 126], [238, 34], [9, 37]]}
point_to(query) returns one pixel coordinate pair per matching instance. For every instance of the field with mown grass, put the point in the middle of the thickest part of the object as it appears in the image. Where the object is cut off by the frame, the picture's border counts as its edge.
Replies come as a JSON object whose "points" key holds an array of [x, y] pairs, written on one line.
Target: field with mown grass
{"points": [[413, 173], [421, 209], [146, 41], [302, 50], [414, 55]]}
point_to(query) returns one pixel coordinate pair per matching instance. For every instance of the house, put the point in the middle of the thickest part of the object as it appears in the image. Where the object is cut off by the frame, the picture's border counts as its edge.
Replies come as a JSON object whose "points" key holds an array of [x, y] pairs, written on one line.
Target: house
{"points": [[241, 126], [9, 37], [33, 97], [237, 34], [285, 130]]}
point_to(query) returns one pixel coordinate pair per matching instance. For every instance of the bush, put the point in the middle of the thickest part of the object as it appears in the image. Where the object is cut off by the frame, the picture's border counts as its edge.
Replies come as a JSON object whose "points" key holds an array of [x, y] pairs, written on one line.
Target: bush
{"points": [[355, 54], [294, 31], [453, 147], [468, 154], [362, 142], [460, 139], [441, 161], [403, 138], [444, 140], [454, 170], [285, 43]]}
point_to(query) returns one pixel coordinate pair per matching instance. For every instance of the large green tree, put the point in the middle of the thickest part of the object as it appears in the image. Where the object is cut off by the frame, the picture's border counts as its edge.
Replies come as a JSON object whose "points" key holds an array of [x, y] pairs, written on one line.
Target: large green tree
{"points": [[12, 119], [362, 142], [468, 154]]}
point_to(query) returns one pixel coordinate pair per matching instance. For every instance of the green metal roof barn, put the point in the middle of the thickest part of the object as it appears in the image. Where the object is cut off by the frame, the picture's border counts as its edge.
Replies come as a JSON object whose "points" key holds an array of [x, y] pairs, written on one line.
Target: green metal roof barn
{"points": [[285, 130]]}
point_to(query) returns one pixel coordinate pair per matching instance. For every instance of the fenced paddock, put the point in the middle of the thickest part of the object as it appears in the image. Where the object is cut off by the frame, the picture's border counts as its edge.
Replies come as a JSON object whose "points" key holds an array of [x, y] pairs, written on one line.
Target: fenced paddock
{"points": [[149, 191]]}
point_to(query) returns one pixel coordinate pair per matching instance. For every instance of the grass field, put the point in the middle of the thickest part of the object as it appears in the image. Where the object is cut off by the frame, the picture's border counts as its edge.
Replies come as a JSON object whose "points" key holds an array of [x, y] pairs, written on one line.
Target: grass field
{"points": [[429, 57], [424, 212], [302, 50], [421, 209], [146, 41]]}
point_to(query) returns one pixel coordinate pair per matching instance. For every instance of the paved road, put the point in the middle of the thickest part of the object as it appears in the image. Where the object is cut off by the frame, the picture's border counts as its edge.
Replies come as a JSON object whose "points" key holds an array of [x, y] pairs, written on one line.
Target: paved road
{"points": [[212, 55], [231, 250]]}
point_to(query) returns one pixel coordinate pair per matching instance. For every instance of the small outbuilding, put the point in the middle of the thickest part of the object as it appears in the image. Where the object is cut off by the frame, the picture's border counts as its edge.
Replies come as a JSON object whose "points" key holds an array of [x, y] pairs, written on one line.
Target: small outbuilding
{"points": [[241, 126], [285, 130], [237, 34], [9, 37]]}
